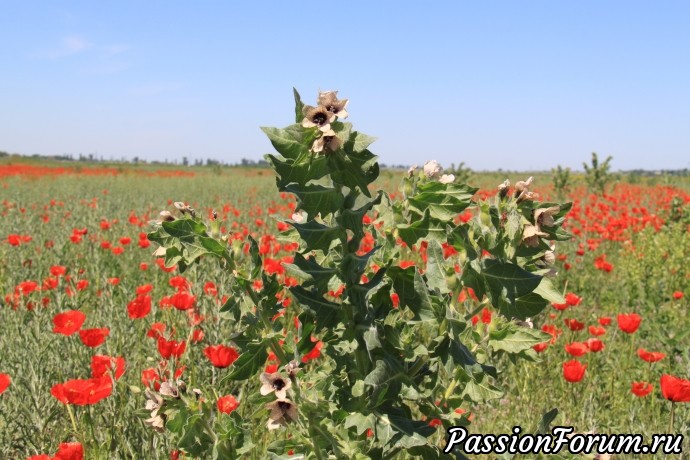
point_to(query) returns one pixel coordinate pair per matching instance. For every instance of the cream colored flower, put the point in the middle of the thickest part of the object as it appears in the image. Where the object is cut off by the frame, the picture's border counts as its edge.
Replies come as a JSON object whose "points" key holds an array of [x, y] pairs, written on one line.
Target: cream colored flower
{"points": [[411, 171], [329, 100], [522, 186], [432, 169], [283, 411], [447, 179], [544, 216], [274, 383], [317, 116], [531, 234], [503, 188], [154, 402], [328, 141]]}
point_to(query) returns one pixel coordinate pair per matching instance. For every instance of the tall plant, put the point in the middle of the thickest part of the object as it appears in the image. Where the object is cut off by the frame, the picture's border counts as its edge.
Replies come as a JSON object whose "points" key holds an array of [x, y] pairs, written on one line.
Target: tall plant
{"points": [[597, 174], [400, 352]]}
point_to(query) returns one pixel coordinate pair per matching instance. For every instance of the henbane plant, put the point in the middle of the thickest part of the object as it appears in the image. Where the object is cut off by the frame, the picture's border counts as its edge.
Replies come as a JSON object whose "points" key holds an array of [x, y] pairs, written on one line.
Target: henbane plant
{"points": [[400, 352]]}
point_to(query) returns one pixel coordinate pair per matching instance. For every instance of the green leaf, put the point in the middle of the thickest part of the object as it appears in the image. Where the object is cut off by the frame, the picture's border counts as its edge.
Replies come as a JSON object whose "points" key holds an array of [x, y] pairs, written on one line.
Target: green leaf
{"points": [[249, 363], [318, 236], [444, 201], [290, 142], [359, 142], [185, 229], [379, 375], [434, 268], [544, 426], [360, 422], [413, 293], [508, 278], [548, 292], [315, 199], [310, 272], [424, 228], [326, 313], [195, 439], [480, 392], [354, 170], [527, 306], [299, 106], [512, 338]]}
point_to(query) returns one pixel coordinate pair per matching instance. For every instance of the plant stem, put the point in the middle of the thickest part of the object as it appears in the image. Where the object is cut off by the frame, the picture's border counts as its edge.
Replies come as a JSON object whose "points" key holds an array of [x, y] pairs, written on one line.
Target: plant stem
{"points": [[71, 416]]}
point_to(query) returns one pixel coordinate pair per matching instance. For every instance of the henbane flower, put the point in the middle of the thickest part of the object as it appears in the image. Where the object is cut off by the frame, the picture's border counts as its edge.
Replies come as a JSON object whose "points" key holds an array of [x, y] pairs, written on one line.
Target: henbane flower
{"points": [[317, 116], [329, 100], [274, 382], [283, 411]]}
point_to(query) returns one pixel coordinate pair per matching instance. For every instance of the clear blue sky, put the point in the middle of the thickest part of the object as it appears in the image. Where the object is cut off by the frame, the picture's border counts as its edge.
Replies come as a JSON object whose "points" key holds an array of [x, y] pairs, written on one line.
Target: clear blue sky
{"points": [[501, 84]]}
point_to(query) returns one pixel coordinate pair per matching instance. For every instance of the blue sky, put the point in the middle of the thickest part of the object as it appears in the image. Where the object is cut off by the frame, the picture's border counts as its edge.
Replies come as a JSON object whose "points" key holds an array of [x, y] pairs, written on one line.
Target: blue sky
{"points": [[512, 85]]}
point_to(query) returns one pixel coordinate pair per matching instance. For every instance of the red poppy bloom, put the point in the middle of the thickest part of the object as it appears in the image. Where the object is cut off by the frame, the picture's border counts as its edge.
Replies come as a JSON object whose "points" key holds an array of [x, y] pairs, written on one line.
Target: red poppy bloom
{"points": [[572, 300], [629, 323], [143, 266], [560, 306], [220, 355], [573, 324], [125, 240], [595, 345], [650, 356], [150, 377], [210, 288], [156, 330], [641, 389], [139, 307], [315, 352], [40, 457], [597, 330], [5, 381], [83, 392], [103, 365], [677, 295], [183, 300], [170, 348], [577, 349], [82, 284], [94, 337], [227, 404], [395, 299], [540, 347], [675, 389], [574, 371], [69, 322], [604, 320], [58, 270], [179, 282], [69, 451]]}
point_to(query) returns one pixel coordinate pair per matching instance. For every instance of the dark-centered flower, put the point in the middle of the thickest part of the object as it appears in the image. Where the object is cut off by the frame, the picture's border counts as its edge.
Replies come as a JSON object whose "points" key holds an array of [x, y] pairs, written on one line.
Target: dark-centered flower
{"points": [[329, 100], [328, 142], [274, 383], [283, 411], [317, 116]]}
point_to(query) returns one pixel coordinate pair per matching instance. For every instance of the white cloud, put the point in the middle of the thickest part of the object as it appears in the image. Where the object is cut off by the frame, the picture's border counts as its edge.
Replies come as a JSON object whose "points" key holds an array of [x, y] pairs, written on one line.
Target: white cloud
{"points": [[69, 46]]}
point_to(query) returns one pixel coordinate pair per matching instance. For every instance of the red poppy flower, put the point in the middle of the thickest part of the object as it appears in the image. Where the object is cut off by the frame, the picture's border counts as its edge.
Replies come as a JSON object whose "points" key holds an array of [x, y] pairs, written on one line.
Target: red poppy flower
{"points": [[82, 284], [125, 240], [139, 307], [94, 337], [227, 404], [103, 365], [5, 381], [650, 356], [69, 451], [572, 300], [629, 323], [58, 270], [210, 288], [574, 371], [40, 457], [83, 392], [183, 300], [604, 320], [560, 306], [573, 324], [678, 295], [179, 282], [595, 345], [675, 389], [597, 330], [315, 352], [150, 378], [395, 299], [156, 330], [540, 347], [69, 322], [220, 355], [170, 348], [577, 349], [641, 389]]}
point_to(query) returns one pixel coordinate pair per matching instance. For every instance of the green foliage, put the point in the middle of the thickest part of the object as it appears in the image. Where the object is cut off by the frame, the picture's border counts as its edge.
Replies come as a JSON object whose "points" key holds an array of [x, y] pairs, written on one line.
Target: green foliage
{"points": [[561, 181], [385, 368], [597, 175]]}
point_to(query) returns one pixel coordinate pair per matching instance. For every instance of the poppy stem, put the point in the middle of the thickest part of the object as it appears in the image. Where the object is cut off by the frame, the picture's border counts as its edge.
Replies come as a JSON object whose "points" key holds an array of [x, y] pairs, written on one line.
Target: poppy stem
{"points": [[71, 416], [673, 412]]}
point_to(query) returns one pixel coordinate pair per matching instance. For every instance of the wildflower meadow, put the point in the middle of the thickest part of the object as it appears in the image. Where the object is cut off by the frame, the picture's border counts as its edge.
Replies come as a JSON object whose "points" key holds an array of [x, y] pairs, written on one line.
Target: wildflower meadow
{"points": [[325, 307]]}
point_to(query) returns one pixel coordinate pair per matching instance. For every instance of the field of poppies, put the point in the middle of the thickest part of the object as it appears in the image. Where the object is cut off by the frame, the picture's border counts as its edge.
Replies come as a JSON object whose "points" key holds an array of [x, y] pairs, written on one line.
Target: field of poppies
{"points": [[91, 319]]}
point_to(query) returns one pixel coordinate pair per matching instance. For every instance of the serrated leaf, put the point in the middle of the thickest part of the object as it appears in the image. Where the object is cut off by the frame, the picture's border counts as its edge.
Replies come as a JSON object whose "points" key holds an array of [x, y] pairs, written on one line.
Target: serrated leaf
{"points": [[508, 278], [512, 338], [310, 272], [360, 422], [290, 142], [318, 236], [249, 363], [315, 199], [326, 313], [480, 392], [299, 106], [412, 292], [426, 228], [527, 306], [548, 292], [354, 170], [443, 201], [434, 268], [185, 229]]}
